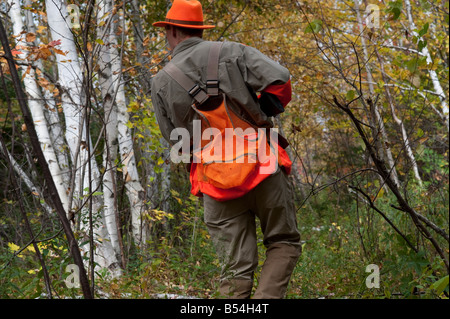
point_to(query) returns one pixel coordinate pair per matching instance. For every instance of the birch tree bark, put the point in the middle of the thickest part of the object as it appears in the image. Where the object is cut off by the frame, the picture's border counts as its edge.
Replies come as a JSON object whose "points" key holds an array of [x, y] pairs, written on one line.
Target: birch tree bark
{"points": [[134, 189], [110, 155], [110, 123], [70, 80], [36, 106], [378, 121], [165, 179], [50, 109], [117, 130], [405, 139]]}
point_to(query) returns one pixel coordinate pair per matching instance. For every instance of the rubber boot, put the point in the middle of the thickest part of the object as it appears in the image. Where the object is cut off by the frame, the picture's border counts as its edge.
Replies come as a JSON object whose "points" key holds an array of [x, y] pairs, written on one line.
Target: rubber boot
{"points": [[236, 288], [276, 271]]}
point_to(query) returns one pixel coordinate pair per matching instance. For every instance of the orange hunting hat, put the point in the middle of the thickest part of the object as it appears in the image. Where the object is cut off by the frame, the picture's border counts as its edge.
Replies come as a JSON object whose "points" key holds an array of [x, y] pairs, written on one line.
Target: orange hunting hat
{"points": [[186, 14]]}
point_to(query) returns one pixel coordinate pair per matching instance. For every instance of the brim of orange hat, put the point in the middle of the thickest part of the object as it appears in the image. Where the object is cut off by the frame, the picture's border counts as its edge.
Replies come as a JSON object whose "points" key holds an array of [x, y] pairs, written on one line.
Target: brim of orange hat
{"points": [[190, 26]]}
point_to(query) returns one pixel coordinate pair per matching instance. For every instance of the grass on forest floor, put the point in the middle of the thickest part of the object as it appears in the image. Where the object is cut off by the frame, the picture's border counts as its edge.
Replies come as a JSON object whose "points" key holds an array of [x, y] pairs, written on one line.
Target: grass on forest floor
{"points": [[323, 271], [332, 265]]}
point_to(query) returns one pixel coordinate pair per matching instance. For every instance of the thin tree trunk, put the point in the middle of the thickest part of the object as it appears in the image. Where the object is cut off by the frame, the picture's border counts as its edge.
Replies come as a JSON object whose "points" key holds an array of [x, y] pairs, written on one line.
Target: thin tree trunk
{"points": [[110, 121], [383, 143], [134, 189], [50, 109], [399, 122], [73, 246], [36, 106], [165, 180], [383, 170], [27, 180], [78, 139]]}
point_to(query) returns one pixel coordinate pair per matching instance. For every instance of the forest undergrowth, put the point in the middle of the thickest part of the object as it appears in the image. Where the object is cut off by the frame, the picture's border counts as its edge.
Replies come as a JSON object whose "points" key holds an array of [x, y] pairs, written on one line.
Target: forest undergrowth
{"points": [[182, 263]]}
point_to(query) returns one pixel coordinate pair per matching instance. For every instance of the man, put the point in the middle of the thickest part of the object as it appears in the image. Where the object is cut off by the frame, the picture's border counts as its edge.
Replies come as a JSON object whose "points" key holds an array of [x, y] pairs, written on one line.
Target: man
{"points": [[242, 73]]}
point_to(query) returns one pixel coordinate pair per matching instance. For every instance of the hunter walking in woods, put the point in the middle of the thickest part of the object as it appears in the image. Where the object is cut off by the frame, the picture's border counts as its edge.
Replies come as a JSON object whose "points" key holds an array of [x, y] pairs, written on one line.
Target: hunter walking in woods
{"points": [[230, 85], [92, 197]]}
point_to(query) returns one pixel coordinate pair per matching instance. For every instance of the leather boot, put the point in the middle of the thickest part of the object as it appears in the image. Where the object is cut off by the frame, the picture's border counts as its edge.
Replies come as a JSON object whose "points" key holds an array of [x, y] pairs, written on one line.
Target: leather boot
{"points": [[276, 272], [236, 288]]}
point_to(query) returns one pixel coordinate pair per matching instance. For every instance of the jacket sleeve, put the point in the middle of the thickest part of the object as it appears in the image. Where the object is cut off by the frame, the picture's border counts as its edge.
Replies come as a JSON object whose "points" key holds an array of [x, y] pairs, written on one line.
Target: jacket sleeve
{"points": [[263, 74], [282, 92], [165, 124]]}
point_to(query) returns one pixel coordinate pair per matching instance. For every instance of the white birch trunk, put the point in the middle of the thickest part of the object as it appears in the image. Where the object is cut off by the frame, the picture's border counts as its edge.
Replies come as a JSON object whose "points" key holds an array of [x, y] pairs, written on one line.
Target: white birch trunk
{"points": [[378, 120], [70, 79], [35, 103], [50, 109], [110, 109], [400, 123], [133, 187], [433, 75]]}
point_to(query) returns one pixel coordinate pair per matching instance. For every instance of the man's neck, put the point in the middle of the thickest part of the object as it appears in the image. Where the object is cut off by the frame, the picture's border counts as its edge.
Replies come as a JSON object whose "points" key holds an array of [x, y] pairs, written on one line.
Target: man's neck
{"points": [[186, 43]]}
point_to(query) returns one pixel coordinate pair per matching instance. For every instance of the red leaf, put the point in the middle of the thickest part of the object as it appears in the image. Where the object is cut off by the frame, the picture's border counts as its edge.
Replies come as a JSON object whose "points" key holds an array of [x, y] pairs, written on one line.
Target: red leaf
{"points": [[55, 43], [15, 52]]}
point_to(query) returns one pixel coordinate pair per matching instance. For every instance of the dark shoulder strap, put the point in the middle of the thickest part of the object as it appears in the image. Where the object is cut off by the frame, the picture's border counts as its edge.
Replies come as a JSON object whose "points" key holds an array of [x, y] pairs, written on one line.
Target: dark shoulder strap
{"points": [[186, 83], [212, 75], [212, 79]]}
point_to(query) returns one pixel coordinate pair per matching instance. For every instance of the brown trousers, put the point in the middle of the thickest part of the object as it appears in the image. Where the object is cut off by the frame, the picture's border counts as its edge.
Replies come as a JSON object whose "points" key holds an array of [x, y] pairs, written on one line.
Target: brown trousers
{"points": [[232, 226]]}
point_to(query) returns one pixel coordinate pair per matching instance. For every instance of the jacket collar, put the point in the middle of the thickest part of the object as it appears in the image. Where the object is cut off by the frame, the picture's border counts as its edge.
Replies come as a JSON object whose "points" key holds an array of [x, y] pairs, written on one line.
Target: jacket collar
{"points": [[186, 44]]}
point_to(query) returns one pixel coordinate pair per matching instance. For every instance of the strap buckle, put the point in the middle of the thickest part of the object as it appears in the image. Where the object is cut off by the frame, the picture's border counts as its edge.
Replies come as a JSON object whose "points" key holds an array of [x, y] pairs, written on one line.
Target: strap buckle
{"points": [[212, 87], [198, 94], [212, 83], [194, 90]]}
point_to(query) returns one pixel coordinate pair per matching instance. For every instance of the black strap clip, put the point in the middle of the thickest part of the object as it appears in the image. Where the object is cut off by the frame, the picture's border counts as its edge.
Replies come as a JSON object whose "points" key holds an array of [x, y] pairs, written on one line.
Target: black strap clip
{"points": [[212, 87], [194, 90]]}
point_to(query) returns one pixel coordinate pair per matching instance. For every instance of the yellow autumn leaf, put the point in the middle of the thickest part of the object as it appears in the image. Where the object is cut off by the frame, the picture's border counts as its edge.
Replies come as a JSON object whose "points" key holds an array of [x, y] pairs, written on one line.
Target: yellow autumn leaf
{"points": [[13, 247], [380, 193], [41, 29]]}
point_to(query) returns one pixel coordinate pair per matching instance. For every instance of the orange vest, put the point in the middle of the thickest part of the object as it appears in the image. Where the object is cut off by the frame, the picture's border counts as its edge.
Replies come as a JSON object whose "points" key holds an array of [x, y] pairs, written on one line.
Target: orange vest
{"points": [[199, 187], [232, 156]]}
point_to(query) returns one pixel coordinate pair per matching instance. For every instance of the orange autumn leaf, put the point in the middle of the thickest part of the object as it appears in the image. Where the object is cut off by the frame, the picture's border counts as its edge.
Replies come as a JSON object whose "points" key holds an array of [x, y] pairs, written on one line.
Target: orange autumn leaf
{"points": [[16, 52], [30, 37]]}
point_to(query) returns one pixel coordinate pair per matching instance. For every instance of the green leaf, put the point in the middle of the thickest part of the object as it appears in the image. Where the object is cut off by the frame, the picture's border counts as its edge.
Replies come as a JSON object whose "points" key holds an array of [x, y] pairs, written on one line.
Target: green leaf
{"points": [[396, 13], [414, 64], [350, 95], [99, 41], [424, 30], [419, 132], [395, 9], [440, 285], [422, 44], [411, 65], [314, 27]]}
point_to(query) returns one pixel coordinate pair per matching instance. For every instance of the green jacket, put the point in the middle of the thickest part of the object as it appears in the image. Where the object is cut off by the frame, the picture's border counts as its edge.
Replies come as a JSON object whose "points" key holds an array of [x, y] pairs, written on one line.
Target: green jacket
{"points": [[243, 72]]}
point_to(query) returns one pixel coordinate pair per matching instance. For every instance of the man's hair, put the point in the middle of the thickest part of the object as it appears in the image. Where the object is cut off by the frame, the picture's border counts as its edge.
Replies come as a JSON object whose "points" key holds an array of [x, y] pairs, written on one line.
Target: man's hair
{"points": [[188, 32]]}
